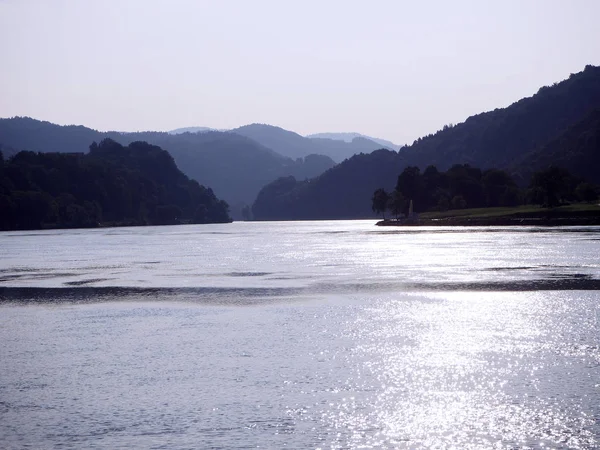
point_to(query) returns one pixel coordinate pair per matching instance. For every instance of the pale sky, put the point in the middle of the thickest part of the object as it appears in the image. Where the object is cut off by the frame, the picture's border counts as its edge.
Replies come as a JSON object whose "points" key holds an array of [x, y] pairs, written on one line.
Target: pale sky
{"points": [[387, 68]]}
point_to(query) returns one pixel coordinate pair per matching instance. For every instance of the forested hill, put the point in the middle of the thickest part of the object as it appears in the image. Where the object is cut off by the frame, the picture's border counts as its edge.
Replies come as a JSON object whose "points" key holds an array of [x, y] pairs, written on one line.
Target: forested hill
{"points": [[496, 138], [343, 192], [111, 185], [235, 166], [553, 125], [577, 150]]}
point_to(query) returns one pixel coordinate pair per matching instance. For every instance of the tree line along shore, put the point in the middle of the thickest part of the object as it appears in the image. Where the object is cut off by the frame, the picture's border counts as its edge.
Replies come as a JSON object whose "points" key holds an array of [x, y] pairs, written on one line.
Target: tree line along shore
{"points": [[469, 196]]}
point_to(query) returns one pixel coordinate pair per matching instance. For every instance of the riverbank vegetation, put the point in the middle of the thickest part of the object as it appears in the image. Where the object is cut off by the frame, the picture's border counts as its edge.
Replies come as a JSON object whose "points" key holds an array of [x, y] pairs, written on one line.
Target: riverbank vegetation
{"points": [[467, 194], [567, 215]]}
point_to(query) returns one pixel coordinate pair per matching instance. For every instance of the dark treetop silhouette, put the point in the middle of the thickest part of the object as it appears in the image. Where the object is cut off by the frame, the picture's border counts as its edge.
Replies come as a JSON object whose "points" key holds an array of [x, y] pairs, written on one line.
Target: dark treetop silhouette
{"points": [[111, 185]]}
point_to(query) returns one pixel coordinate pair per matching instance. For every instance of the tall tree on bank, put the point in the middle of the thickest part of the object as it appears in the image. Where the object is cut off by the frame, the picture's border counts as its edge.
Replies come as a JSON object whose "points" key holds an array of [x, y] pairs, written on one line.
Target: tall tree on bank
{"points": [[410, 184], [551, 186], [380, 201], [397, 203]]}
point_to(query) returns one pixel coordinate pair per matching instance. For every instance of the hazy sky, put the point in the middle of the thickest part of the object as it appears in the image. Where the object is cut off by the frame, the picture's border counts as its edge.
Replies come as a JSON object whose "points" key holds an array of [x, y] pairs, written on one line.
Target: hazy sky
{"points": [[392, 69]]}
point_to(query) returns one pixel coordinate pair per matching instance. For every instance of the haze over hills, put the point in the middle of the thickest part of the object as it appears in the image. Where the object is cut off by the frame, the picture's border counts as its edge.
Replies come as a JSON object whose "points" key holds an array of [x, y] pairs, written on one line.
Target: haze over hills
{"points": [[192, 130], [293, 145], [234, 166], [349, 137], [525, 131], [522, 137]]}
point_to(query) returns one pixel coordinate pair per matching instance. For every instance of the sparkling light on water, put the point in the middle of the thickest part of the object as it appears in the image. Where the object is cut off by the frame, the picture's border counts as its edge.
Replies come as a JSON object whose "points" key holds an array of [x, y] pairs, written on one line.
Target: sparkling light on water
{"points": [[310, 335]]}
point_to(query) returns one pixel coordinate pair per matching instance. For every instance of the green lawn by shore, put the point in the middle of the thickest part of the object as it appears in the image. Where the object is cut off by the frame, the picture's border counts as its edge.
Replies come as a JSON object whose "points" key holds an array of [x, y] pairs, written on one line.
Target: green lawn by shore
{"points": [[574, 214], [517, 211]]}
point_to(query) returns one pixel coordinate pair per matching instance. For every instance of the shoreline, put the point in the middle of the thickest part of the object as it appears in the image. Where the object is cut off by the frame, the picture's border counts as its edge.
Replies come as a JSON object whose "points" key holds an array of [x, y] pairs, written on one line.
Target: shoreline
{"points": [[547, 218], [472, 222]]}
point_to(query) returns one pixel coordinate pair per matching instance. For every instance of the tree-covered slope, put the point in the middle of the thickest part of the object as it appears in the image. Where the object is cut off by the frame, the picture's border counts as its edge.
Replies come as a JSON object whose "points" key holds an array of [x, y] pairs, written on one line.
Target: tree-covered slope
{"points": [[344, 191], [134, 185], [577, 149], [496, 139]]}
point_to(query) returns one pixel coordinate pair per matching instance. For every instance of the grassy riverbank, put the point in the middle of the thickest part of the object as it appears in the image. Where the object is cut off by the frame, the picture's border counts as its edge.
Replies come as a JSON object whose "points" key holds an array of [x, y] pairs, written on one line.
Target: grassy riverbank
{"points": [[574, 214]]}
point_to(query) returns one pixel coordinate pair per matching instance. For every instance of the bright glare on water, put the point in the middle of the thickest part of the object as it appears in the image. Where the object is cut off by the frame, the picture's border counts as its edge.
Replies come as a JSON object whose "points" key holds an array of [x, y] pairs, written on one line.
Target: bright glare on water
{"points": [[300, 335]]}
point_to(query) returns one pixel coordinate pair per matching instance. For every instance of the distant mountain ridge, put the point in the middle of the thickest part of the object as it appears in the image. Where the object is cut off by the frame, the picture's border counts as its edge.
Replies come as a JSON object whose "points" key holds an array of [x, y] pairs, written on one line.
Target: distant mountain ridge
{"points": [[234, 166], [349, 137], [555, 124], [192, 130], [293, 145], [337, 146]]}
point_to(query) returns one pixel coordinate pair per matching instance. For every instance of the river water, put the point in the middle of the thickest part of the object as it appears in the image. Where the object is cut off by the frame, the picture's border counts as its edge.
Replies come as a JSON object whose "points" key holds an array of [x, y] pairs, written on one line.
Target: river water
{"points": [[300, 335]]}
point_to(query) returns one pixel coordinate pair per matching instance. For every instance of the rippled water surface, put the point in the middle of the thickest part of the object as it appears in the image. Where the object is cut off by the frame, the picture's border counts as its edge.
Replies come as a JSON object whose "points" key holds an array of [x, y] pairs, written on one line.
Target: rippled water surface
{"points": [[300, 335]]}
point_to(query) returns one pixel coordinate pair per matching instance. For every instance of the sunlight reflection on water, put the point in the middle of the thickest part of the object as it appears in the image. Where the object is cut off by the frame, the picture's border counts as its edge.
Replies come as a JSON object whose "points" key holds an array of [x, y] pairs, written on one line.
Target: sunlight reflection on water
{"points": [[468, 370], [310, 335]]}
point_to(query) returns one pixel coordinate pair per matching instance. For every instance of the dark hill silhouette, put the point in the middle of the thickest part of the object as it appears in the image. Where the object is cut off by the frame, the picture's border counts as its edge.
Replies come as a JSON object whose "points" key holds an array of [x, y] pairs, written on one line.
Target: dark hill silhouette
{"points": [[115, 185], [494, 139], [497, 138], [293, 145], [577, 149], [235, 166], [342, 192]]}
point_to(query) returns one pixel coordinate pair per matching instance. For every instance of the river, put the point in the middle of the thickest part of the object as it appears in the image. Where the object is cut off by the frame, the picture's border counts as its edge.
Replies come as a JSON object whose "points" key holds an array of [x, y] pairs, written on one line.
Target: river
{"points": [[334, 334]]}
